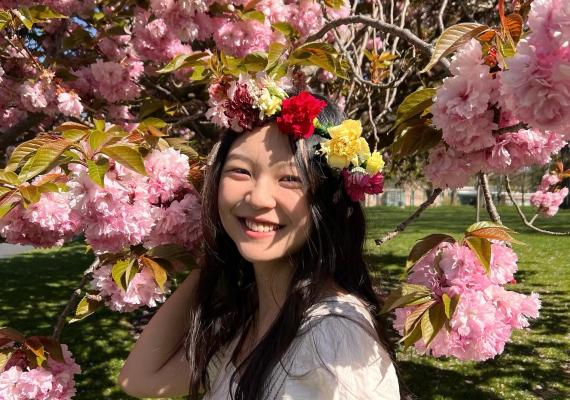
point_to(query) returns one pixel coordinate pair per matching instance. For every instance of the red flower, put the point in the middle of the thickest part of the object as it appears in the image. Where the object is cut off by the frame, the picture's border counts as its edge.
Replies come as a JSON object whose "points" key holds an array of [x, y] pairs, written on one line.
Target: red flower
{"points": [[298, 113], [359, 183], [240, 111]]}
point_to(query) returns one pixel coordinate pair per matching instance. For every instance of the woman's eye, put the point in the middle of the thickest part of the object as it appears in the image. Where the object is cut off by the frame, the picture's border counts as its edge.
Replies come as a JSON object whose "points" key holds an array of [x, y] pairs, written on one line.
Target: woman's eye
{"points": [[239, 171], [292, 178]]}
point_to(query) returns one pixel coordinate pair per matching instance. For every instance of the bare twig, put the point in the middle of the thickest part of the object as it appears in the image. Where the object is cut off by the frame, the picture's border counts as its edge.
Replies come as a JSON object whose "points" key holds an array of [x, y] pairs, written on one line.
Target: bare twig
{"points": [[440, 15], [523, 217], [512, 128], [73, 301], [489, 204], [403, 225], [403, 33]]}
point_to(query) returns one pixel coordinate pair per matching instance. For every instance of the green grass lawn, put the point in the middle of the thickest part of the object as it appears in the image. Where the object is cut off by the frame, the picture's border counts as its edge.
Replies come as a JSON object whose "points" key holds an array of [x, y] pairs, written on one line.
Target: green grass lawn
{"points": [[535, 365]]}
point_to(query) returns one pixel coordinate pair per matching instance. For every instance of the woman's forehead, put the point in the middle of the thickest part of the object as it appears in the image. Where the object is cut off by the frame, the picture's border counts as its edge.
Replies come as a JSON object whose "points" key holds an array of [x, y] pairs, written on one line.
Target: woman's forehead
{"points": [[263, 145]]}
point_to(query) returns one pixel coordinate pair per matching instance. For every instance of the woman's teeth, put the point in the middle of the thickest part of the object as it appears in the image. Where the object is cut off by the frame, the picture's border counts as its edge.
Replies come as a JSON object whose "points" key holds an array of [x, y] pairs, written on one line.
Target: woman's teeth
{"points": [[257, 227]]}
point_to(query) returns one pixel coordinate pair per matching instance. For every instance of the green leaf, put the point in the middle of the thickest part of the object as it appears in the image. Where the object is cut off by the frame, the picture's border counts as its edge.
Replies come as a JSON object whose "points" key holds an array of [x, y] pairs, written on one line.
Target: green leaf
{"points": [[491, 230], [5, 18], [43, 158], [9, 201], [412, 337], [12, 334], [414, 104], [414, 136], [432, 322], [199, 73], [85, 308], [286, 29], [183, 61], [336, 4], [97, 170], [99, 124], [9, 177], [75, 135], [37, 348], [118, 272], [424, 246], [23, 14], [43, 13], [154, 122], [254, 62], [126, 156], [182, 145], [31, 194], [253, 15], [449, 304], [274, 53], [320, 54], [406, 295], [482, 248], [76, 39], [21, 152], [160, 275], [453, 38], [96, 138], [5, 355]]}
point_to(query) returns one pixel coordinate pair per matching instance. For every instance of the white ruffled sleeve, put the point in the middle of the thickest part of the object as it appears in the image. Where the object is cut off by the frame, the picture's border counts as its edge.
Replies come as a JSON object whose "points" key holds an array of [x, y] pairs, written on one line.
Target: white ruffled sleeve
{"points": [[336, 359]]}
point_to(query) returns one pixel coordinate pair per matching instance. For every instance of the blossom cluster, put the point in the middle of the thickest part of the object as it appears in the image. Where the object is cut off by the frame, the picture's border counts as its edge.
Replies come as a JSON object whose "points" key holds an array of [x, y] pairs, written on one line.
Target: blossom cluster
{"points": [[549, 196], [486, 313], [53, 381], [131, 209], [535, 89], [141, 291], [159, 31]]}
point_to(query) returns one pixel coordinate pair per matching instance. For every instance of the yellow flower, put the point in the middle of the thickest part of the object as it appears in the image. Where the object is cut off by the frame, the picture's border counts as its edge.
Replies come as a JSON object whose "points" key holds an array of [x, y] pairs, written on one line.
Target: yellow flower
{"points": [[346, 145], [269, 104], [375, 163]]}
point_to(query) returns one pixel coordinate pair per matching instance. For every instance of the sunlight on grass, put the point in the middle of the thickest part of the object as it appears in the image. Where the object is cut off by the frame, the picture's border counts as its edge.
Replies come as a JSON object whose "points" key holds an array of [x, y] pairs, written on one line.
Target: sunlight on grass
{"points": [[36, 286]]}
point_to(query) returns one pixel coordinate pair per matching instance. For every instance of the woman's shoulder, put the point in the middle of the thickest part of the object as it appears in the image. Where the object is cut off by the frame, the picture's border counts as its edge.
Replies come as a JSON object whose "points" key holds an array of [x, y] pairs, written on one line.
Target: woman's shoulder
{"points": [[338, 352]]}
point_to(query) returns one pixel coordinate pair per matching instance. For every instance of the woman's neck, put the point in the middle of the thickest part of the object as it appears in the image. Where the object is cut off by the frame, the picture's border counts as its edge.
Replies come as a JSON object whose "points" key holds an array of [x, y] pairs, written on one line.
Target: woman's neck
{"points": [[272, 280]]}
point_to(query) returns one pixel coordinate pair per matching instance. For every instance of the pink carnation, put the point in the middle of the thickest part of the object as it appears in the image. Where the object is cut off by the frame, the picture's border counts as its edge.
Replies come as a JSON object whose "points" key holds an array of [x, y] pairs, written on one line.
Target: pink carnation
{"points": [[49, 222], [358, 183], [168, 174], [142, 290]]}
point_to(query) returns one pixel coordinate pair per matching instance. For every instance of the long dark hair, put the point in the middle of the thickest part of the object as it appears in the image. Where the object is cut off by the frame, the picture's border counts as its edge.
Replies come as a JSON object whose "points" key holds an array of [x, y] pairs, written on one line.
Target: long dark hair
{"points": [[226, 297]]}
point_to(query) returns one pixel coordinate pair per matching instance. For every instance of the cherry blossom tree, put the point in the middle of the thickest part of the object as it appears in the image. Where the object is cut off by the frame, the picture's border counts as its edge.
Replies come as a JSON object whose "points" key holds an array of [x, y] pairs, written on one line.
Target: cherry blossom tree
{"points": [[108, 109]]}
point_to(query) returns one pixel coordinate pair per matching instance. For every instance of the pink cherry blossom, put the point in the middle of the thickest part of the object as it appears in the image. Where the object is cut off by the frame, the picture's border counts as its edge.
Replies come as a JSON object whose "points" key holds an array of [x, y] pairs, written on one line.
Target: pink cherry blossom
{"points": [[547, 181], [239, 38], [69, 104], [503, 264], [47, 223], [168, 174], [179, 223], [548, 202], [462, 105], [142, 290], [451, 168]]}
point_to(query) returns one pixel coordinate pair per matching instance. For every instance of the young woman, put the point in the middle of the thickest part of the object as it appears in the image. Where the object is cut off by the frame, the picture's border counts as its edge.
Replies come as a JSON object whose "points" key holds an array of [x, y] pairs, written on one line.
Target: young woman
{"points": [[283, 306]]}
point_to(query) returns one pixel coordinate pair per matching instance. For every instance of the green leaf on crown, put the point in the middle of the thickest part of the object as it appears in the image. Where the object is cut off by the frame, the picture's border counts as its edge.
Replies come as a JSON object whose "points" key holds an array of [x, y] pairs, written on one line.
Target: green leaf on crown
{"points": [[126, 156]]}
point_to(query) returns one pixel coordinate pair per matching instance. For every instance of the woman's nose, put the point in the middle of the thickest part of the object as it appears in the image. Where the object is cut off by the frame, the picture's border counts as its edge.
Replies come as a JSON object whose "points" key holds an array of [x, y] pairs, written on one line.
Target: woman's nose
{"points": [[261, 195]]}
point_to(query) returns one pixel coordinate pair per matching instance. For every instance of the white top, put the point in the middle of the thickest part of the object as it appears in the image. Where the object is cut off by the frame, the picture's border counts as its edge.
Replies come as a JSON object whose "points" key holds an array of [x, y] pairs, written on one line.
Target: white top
{"points": [[335, 356]]}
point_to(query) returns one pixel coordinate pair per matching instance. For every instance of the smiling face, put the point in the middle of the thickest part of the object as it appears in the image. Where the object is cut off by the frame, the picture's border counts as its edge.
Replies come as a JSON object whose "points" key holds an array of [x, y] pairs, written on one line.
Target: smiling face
{"points": [[261, 200]]}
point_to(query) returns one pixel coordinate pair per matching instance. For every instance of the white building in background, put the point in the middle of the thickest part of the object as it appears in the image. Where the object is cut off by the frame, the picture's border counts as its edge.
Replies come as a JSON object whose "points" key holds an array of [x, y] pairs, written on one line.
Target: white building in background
{"points": [[413, 197]]}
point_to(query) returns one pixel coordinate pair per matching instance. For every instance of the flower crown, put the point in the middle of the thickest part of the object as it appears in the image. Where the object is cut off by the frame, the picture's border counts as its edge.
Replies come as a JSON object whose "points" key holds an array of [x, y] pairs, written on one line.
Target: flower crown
{"points": [[245, 103]]}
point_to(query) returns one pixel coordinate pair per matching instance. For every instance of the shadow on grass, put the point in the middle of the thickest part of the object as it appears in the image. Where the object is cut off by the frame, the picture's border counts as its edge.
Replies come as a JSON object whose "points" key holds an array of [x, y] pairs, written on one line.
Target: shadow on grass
{"points": [[35, 288]]}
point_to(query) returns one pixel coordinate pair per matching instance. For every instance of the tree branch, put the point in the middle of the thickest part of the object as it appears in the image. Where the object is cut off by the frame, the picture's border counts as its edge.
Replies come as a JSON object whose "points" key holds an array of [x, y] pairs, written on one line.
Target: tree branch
{"points": [[11, 135], [489, 204], [404, 224], [523, 217], [405, 34], [512, 128], [73, 301]]}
